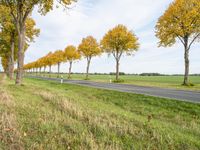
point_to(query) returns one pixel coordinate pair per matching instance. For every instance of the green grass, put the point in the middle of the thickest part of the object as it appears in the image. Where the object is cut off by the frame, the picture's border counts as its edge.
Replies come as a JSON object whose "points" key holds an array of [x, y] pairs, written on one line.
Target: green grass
{"points": [[48, 115], [153, 81]]}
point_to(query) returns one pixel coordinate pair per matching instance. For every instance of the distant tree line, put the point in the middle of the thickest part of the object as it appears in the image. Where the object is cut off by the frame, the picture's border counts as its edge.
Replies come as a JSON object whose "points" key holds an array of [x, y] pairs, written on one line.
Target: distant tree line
{"points": [[123, 73], [152, 74]]}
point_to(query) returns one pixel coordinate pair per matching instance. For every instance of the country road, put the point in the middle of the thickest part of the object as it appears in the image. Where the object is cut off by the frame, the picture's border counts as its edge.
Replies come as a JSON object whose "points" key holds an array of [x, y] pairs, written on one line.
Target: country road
{"points": [[183, 95]]}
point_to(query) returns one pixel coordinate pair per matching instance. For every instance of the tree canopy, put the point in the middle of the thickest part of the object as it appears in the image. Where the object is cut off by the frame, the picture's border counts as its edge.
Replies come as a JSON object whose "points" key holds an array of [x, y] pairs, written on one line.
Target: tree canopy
{"points": [[181, 20], [89, 47], [71, 53], [119, 40]]}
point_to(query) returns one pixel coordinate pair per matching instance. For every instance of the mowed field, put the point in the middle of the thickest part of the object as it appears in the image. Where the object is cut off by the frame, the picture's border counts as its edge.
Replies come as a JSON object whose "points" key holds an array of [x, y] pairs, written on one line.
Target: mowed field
{"points": [[153, 81], [48, 115]]}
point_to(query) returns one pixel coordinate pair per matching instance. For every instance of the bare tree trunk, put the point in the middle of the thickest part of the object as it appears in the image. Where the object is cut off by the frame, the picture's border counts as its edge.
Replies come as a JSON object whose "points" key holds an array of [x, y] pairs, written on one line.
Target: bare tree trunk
{"points": [[44, 71], [7, 69], [36, 71], [70, 69], [88, 67], [58, 70], [186, 76], [21, 45], [187, 63], [11, 58], [117, 69], [49, 70], [40, 71]]}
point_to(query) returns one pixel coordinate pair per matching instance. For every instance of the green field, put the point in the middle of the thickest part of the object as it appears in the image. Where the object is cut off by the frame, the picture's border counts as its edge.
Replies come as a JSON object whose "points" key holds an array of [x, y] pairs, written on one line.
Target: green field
{"points": [[154, 81], [48, 115]]}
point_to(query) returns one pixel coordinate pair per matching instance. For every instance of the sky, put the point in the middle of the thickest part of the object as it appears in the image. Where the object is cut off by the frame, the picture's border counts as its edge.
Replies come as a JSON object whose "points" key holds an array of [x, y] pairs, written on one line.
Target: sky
{"points": [[60, 28]]}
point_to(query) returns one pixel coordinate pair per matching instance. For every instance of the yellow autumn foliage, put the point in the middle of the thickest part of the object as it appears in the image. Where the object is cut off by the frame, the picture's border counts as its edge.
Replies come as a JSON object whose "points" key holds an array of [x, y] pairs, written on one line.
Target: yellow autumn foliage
{"points": [[180, 21], [71, 53]]}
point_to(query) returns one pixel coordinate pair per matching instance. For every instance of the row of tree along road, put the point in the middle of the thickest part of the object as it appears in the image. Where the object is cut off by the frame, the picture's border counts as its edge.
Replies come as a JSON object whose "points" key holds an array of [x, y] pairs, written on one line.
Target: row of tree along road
{"points": [[116, 42], [180, 22]]}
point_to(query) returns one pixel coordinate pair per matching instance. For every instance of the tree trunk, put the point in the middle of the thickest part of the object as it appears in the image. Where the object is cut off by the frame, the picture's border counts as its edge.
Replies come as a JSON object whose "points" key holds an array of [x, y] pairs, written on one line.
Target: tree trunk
{"points": [[88, 67], [7, 69], [49, 70], [44, 71], [117, 69], [58, 70], [187, 63], [70, 68], [11, 58], [21, 45], [40, 71]]}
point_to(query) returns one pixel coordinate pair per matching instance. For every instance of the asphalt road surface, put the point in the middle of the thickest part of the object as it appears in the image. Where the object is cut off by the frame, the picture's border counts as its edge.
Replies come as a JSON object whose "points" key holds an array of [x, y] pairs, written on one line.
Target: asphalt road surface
{"points": [[190, 96]]}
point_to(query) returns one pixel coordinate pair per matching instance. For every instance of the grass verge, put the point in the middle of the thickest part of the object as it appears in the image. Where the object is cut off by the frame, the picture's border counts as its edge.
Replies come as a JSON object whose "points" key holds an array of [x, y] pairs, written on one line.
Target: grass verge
{"points": [[174, 82], [48, 115]]}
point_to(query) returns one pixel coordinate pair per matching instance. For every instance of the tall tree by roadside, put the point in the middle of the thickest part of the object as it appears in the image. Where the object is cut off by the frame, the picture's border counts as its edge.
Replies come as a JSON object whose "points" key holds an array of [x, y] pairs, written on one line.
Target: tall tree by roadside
{"points": [[8, 36], [8, 39], [181, 21], [20, 11], [118, 41], [71, 55], [58, 58], [4, 58], [89, 48], [49, 61]]}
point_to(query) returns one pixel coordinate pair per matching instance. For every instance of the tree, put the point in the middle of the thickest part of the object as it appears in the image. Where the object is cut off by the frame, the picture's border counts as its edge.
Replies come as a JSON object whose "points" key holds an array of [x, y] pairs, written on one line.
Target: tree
{"points": [[117, 41], [40, 64], [45, 63], [20, 11], [49, 61], [89, 48], [9, 36], [181, 21], [71, 54], [7, 52], [58, 58], [8, 39], [4, 59]]}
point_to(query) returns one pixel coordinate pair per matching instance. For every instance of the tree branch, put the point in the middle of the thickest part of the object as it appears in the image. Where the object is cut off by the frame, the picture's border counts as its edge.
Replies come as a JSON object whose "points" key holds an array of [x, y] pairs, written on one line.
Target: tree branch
{"points": [[26, 15], [120, 55], [194, 40], [182, 41], [28, 10], [9, 4], [114, 54]]}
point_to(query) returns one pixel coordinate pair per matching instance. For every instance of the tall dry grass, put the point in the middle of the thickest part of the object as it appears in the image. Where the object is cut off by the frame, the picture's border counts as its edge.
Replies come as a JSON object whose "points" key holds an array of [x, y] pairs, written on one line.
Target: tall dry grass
{"points": [[9, 132], [108, 124]]}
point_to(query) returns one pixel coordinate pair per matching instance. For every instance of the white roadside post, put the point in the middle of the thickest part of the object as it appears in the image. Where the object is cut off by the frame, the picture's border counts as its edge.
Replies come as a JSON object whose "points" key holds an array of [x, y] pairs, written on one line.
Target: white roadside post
{"points": [[61, 80], [110, 79]]}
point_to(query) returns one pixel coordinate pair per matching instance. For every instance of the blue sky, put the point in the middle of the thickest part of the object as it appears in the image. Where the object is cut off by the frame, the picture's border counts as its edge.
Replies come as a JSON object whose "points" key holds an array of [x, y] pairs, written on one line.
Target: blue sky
{"points": [[95, 17]]}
